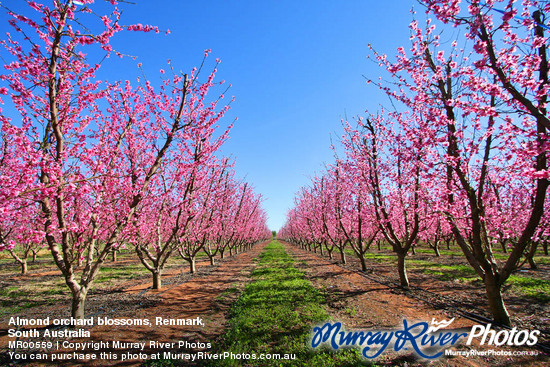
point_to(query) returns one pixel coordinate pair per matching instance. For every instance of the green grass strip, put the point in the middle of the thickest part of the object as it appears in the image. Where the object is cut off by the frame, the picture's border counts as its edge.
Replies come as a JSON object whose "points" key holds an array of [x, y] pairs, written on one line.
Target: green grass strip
{"points": [[535, 288], [276, 313]]}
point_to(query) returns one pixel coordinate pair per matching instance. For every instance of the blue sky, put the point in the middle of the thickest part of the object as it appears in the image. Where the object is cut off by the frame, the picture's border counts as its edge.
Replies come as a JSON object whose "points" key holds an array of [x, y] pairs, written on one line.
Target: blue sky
{"points": [[295, 67]]}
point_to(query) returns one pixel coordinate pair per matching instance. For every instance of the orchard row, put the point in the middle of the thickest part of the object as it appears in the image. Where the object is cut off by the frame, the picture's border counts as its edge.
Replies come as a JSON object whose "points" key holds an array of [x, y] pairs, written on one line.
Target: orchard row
{"points": [[88, 167], [461, 155]]}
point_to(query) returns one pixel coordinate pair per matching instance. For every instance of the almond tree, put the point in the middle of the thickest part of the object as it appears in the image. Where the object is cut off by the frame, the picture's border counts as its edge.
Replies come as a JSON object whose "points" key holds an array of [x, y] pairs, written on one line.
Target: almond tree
{"points": [[20, 232], [310, 206], [357, 225], [225, 207], [389, 163], [333, 213], [249, 222], [236, 219], [486, 109], [161, 217], [20, 224], [202, 223], [170, 210], [96, 147]]}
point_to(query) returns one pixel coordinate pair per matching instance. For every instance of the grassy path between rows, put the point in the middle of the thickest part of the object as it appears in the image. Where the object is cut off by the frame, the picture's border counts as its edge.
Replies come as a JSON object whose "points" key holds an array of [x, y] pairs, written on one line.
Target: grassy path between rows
{"points": [[275, 314]]}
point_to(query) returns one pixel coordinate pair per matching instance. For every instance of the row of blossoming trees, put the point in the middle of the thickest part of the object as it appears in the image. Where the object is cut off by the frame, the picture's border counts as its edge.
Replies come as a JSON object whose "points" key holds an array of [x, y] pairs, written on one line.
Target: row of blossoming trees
{"points": [[461, 155], [89, 166]]}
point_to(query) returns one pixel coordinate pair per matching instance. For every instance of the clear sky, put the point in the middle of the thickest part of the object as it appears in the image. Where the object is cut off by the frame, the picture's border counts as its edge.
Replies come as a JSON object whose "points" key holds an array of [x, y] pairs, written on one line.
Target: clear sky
{"points": [[295, 67]]}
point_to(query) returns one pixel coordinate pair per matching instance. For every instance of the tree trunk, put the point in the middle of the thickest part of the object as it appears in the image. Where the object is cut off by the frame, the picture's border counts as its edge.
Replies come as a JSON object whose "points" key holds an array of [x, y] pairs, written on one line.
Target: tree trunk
{"points": [[212, 260], [79, 299], [192, 266], [436, 249], [531, 255], [24, 268], [329, 254], [342, 255], [532, 263], [34, 256], [545, 247], [157, 279], [379, 244], [222, 254], [321, 249], [503, 245], [401, 269], [363, 262], [21, 260], [496, 303], [114, 255]]}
